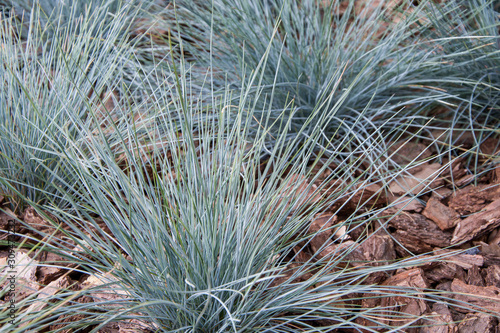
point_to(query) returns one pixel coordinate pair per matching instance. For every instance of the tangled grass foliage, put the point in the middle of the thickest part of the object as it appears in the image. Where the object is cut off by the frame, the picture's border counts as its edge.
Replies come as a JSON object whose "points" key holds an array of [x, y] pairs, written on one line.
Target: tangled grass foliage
{"points": [[203, 239], [64, 71], [465, 42], [432, 65], [191, 197]]}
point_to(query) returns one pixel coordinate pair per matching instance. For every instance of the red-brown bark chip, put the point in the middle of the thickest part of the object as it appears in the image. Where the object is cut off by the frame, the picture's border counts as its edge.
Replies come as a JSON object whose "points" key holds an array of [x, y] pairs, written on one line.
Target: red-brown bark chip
{"points": [[480, 298], [415, 307], [472, 199], [477, 224], [478, 322], [322, 228], [426, 178], [445, 217], [405, 152], [418, 234], [492, 276], [439, 320]]}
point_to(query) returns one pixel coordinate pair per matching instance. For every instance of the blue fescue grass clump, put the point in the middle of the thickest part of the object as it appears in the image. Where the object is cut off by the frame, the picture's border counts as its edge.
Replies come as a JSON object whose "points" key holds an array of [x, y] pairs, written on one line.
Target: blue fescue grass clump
{"points": [[48, 12], [135, 18], [406, 60], [206, 240], [58, 74], [464, 38], [317, 51]]}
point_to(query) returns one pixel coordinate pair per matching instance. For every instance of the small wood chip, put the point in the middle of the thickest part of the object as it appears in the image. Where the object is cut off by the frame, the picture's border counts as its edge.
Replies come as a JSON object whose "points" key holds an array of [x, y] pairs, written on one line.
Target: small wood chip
{"points": [[439, 320], [474, 277], [477, 224], [425, 179], [466, 261], [415, 307], [13, 228], [51, 289], [491, 253], [472, 199], [441, 193], [480, 298], [107, 289], [410, 278], [408, 307], [494, 237], [443, 272], [465, 180], [478, 322], [404, 203], [378, 250], [497, 174], [445, 217], [492, 276], [297, 191], [405, 152], [368, 195], [52, 267], [322, 228], [418, 234]]}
